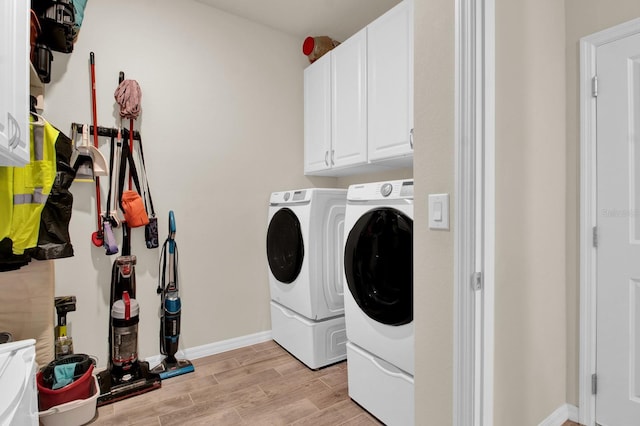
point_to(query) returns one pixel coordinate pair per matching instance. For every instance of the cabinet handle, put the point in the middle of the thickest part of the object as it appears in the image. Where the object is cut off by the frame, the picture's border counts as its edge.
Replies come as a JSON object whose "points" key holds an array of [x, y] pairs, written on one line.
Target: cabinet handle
{"points": [[333, 154], [411, 138], [14, 131], [326, 158]]}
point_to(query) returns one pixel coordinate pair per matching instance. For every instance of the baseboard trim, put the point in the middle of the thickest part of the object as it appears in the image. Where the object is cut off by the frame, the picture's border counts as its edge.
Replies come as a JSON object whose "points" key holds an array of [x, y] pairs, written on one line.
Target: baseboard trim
{"points": [[560, 415], [215, 348]]}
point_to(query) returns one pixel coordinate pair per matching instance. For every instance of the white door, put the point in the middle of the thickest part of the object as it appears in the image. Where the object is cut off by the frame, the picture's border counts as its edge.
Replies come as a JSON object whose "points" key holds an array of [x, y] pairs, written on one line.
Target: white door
{"points": [[390, 83], [618, 233], [317, 115], [14, 84], [349, 101]]}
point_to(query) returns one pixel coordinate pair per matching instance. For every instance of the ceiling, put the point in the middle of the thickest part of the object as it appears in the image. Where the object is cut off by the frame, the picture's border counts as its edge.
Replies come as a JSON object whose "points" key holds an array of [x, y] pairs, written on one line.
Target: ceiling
{"points": [[338, 19]]}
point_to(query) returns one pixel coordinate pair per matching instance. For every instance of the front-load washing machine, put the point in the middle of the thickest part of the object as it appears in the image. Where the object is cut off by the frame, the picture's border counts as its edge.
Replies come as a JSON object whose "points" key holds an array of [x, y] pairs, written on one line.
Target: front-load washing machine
{"points": [[378, 267], [304, 251]]}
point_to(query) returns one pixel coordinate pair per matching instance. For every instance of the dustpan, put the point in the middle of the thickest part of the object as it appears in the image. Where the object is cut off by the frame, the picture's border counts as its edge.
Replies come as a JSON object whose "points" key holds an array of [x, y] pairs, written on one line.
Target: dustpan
{"points": [[82, 160], [83, 167], [99, 162], [87, 160]]}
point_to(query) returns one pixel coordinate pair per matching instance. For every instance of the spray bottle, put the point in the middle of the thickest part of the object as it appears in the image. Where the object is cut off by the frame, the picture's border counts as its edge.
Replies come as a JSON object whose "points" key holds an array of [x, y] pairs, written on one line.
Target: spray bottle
{"points": [[63, 342]]}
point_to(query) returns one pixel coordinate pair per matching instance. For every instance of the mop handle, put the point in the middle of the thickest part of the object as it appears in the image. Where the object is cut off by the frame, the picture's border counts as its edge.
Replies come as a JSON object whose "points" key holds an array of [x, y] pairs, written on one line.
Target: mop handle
{"points": [[92, 62]]}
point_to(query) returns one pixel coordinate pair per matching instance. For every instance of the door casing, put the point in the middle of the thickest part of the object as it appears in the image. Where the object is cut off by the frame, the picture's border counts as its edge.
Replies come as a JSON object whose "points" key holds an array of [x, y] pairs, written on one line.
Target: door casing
{"points": [[474, 221]]}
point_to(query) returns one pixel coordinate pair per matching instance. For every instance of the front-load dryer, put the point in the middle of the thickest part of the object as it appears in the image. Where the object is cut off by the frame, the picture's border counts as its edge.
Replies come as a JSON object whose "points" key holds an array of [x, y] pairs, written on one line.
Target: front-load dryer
{"points": [[378, 267], [304, 252]]}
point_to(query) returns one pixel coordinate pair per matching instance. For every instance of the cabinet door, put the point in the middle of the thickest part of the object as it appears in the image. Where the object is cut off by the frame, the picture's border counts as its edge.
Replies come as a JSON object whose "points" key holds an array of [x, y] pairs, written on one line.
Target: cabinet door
{"points": [[390, 74], [14, 84], [317, 115], [349, 101]]}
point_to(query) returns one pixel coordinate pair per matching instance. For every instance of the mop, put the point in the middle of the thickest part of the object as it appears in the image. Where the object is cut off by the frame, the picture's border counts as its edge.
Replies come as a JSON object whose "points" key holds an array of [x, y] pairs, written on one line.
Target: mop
{"points": [[170, 306]]}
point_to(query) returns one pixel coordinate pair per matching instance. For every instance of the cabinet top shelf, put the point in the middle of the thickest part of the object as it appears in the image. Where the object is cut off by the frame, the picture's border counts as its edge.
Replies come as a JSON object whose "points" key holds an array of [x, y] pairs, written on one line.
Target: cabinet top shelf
{"points": [[36, 87], [35, 82]]}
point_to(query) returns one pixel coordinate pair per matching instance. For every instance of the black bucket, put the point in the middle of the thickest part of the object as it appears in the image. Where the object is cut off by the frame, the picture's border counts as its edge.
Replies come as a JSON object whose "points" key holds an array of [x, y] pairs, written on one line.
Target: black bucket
{"points": [[83, 362], [5, 337]]}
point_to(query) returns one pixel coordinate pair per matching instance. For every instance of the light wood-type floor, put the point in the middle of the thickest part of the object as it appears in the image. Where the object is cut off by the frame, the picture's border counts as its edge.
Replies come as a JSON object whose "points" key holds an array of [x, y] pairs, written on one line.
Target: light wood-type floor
{"points": [[256, 385]]}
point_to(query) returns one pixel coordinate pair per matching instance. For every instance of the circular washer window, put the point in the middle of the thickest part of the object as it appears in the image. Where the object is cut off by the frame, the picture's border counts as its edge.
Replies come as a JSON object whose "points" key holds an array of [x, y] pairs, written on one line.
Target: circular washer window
{"points": [[285, 247], [378, 263]]}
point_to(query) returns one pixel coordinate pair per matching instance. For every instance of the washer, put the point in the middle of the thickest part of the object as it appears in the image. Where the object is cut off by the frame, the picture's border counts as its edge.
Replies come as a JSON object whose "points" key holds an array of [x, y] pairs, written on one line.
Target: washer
{"points": [[304, 252], [378, 267]]}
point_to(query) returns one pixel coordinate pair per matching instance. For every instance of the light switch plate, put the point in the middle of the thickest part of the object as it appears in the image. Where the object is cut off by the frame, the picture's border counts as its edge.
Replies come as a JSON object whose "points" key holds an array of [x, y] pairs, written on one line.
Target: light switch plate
{"points": [[438, 211]]}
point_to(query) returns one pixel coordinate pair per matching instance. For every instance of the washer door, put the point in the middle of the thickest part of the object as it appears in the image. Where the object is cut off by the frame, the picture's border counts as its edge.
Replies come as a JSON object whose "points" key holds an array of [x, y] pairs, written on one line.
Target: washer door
{"points": [[285, 247], [378, 264]]}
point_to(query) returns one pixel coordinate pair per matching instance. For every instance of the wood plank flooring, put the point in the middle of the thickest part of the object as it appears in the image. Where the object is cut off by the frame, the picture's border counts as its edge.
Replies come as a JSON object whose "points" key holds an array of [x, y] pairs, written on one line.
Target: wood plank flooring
{"points": [[256, 385]]}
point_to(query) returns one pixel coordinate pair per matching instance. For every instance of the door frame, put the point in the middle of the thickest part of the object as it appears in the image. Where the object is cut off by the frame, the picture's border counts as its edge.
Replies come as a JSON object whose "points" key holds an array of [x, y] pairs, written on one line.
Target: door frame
{"points": [[588, 211], [474, 221]]}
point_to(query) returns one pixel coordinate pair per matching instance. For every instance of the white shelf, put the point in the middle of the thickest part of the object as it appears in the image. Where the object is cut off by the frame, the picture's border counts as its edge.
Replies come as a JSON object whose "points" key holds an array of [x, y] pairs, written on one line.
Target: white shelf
{"points": [[36, 87]]}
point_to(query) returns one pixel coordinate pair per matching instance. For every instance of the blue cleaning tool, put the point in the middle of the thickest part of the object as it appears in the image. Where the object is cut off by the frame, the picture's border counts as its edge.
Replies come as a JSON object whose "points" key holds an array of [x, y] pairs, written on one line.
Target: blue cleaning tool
{"points": [[171, 306]]}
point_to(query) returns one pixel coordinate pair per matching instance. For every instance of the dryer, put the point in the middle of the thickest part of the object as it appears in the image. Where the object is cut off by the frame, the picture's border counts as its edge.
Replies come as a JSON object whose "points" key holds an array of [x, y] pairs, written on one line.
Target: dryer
{"points": [[378, 267], [304, 251]]}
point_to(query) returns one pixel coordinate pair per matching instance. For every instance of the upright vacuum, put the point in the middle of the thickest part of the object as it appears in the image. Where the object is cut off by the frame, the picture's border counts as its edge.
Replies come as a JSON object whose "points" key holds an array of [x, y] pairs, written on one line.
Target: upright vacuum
{"points": [[170, 306], [125, 375]]}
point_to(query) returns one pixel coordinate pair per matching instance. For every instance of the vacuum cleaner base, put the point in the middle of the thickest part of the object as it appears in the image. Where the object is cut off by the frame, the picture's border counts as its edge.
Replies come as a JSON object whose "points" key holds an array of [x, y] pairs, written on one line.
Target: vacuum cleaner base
{"points": [[110, 391], [167, 369]]}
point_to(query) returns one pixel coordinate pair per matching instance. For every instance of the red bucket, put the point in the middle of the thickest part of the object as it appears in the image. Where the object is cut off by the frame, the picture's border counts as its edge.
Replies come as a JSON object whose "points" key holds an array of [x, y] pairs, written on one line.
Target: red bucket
{"points": [[79, 389]]}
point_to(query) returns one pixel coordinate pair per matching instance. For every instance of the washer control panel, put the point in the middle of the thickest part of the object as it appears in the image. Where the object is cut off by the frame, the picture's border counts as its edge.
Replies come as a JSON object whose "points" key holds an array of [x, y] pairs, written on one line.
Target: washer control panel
{"points": [[397, 189]]}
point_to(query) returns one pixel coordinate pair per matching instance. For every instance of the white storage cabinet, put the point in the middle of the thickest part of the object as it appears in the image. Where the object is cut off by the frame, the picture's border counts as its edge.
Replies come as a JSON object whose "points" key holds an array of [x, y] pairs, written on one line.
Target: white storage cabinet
{"points": [[358, 100], [335, 109], [14, 82], [390, 84]]}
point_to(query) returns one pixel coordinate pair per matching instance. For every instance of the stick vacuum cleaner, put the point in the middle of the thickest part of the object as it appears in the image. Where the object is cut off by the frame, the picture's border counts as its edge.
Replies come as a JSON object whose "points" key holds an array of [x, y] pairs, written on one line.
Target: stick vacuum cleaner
{"points": [[126, 375], [170, 306]]}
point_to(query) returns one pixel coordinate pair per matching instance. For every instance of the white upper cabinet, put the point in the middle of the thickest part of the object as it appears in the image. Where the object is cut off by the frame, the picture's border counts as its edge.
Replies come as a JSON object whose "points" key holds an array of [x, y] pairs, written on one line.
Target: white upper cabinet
{"points": [[317, 116], [14, 82], [359, 114], [390, 83], [349, 102], [335, 109]]}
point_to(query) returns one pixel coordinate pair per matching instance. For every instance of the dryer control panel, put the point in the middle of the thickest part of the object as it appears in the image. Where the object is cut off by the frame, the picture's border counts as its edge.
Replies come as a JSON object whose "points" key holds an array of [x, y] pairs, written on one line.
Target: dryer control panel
{"points": [[306, 196], [290, 197]]}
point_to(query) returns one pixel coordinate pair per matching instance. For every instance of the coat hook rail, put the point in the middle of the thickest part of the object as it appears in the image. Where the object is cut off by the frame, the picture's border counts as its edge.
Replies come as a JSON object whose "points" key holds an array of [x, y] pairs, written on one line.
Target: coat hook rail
{"points": [[106, 131]]}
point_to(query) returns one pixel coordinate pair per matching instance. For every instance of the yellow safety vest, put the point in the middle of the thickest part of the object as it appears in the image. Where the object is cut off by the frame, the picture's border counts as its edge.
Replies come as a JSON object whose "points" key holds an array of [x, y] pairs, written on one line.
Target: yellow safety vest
{"points": [[24, 190]]}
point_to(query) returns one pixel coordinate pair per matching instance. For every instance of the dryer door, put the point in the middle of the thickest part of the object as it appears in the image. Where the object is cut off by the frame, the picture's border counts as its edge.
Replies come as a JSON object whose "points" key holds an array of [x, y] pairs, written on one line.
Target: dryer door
{"points": [[285, 247], [378, 264]]}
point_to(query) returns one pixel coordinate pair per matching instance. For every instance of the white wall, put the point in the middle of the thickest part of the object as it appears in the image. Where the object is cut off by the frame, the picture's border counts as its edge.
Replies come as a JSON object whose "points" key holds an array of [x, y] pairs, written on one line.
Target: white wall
{"points": [[433, 173], [222, 126], [530, 337]]}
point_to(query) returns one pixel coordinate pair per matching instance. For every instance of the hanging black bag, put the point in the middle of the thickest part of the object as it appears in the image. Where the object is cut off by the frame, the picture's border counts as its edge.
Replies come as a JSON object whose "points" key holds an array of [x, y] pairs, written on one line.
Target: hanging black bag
{"points": [[151, 229]]}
